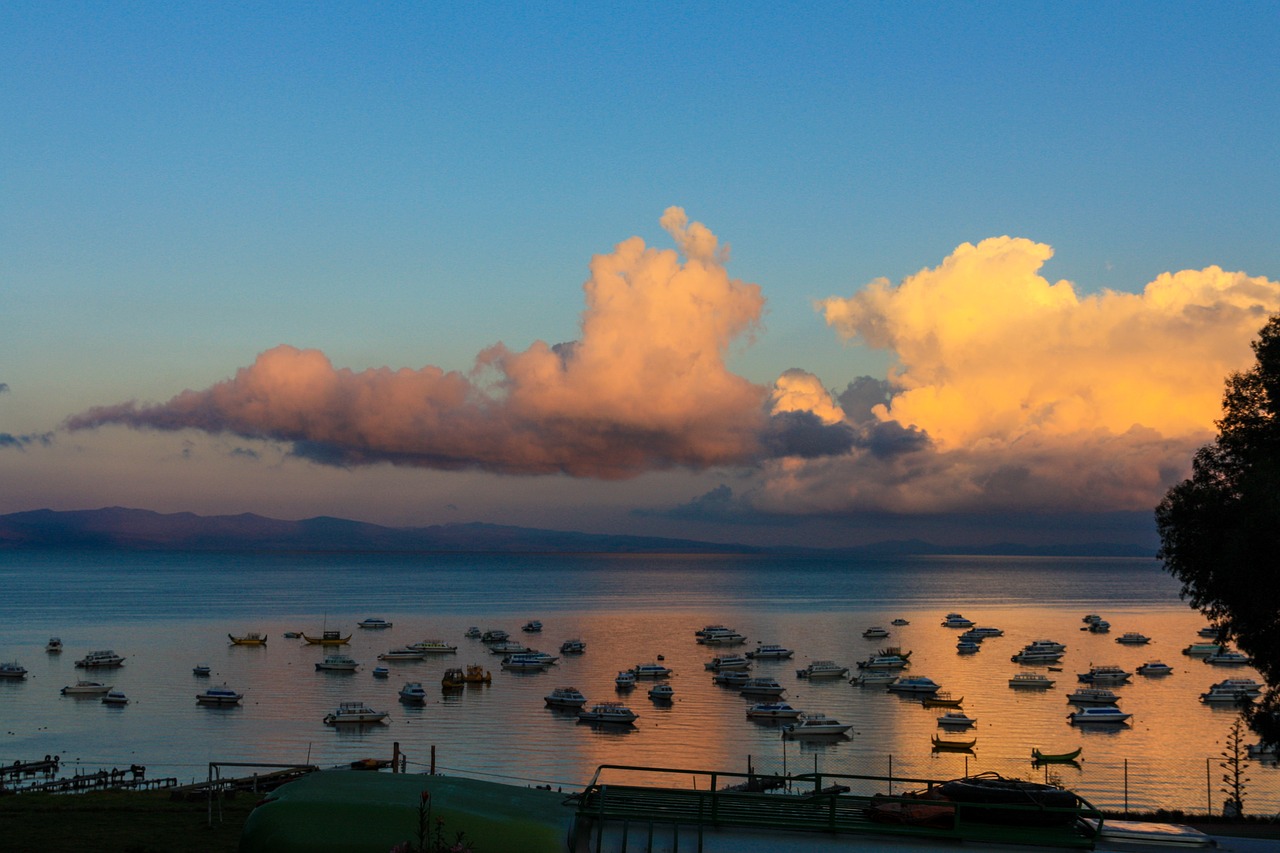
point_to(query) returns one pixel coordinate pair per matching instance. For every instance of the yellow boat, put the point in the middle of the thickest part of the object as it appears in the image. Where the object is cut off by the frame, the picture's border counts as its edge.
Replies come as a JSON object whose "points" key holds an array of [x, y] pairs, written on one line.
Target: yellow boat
{"points": [[476, 674], [453, 679], [328, 638], [253, 638]]}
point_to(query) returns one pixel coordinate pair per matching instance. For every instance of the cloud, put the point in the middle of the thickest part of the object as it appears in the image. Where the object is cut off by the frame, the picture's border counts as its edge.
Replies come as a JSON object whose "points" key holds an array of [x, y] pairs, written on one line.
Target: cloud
{"points": [[645, 386], [20, 442], [4, 388]]}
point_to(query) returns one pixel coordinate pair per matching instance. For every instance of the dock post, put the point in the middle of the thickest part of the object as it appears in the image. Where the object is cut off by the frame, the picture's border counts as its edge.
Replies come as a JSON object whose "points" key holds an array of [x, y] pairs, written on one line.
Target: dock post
{"points": [[395, 756], [433, 759]]}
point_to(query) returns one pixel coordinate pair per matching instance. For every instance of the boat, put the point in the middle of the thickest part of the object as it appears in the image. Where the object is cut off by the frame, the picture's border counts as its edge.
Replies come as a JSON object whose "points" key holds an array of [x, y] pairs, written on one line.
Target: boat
{"points": [[955, 620], [253, 638], [291, 635], [1102, 626], [608, 712], [972, 636], [509, 647], [1032, 803], [770, 652], [626, 680], [115, 697], [1244, 685], [1105, 714], [899, 622], [1226, 697], [100, 659], [453, 679], [761, 687], [815, 725], [872, 677], [1091, 619], [413, 692], [729, 662], [1133, 638], [1092, 696], [725, 637], [565, 697], [402, 653], [875, 632], [357, 713], [1154, 667], [967, 647], [1046, 646], [1200, 650], [1055, 758], [327, 638], [956, 720], [662, 692], [373, 623], [702, 632], [473, 633], [573, 647], [1041, 655], [201, 669], [494, 635], [86, 688], [772, 711], [914, 684], [986, 632], [1109, 674], [476, 674], [1228, 658], [337, 663], [434, 647], [219, 697], [888, 658], [533, 626], [54, 646], [731, 678], [942, 699], [651, 670], [1208, 632], [12, 669], [381, 672], [943, 745], [524, 663], [823, 669], [1261, 752], [1032, 680]]}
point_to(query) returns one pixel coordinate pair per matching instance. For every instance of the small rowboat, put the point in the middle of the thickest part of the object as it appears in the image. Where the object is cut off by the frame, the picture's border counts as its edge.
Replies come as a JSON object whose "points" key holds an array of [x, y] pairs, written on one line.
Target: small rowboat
{"points": [[942, 700], [1061, 758], [253, 638], [953, 745]]}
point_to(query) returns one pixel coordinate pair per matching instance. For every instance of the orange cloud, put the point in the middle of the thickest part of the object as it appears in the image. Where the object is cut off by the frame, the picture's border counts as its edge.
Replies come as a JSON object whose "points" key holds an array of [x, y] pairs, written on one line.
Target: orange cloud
{"points": [[645, 387]]}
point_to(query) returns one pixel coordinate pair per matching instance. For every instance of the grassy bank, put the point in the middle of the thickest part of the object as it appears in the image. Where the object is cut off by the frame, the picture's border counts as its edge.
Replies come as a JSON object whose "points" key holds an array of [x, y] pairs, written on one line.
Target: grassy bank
{"points": [[121, 822]]}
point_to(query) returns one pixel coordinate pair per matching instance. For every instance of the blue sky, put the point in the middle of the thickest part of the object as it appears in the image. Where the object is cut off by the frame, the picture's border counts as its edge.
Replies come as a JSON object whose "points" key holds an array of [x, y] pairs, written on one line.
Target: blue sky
{"points": [[184, 187]]}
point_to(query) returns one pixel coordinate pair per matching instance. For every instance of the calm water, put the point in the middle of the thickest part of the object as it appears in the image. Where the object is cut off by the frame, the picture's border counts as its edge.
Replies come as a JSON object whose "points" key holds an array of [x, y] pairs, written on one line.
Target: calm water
{"points": [[167, 612]]}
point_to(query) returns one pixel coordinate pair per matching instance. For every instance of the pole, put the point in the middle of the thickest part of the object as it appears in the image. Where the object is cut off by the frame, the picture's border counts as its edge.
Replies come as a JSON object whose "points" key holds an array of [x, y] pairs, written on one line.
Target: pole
{"points": [[395, 756], [1126, 786], [1208, 787], [891, 774], [433, 759]]}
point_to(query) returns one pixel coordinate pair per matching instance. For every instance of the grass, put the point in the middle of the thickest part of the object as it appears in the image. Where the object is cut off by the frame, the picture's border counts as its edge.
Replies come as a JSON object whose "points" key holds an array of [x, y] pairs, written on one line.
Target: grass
{"points": [[121, 822]]}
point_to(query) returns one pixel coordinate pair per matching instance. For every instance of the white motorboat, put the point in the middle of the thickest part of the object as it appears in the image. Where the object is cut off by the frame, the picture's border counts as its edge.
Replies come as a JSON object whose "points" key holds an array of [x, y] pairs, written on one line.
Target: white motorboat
{"points": [[885, 659], [1106, 714], [875, 632], [972, 636], [772, 711], [219, 696], [986, 632], [434, 647], [473, 633], [1102, 626], [100, 659], [608, 712], [1261, 752], [967, 647], [1208, 632], [626, 680], [1045, 646], [823, 669], [1200, 650], [115, 697], [545, 657], [662, 692], [1030, 655], [1091, 619], [721, 664], [402, 653], [86, 688], [509, 647], [915, 684], [710, 629], [12, 669], [1092, 696], [725, 637], [494, 635], [899, 622], [1154, 667], [1104, 675], [1133, 638], [201, 669], [873, 677], [815, 725], [956, 720], [373, 623], [651, 670], [573, 647], [358, 713], [731, 678], [565, 697], [413, 692], [337, 663], [1228, 658], [1246, 685], [762, 687], [1033, 680], [770, 652], [955, 620], [381, 672], [1226, 697], [54, 646], [524, 663], [532, 627]]}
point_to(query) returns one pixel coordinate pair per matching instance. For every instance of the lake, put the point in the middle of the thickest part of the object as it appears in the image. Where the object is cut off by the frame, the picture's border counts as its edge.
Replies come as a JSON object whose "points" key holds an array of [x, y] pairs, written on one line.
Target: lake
{"points": [[167, 612]]}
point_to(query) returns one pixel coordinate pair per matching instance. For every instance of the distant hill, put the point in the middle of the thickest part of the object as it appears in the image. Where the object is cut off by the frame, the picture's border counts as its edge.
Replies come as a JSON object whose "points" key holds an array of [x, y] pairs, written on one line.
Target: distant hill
{"points": [[138, 529]]}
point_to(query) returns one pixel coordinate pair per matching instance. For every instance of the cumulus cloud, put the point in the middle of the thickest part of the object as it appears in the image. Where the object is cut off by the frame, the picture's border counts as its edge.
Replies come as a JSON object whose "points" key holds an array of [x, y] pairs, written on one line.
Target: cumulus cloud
{"points": [[644, 387]]}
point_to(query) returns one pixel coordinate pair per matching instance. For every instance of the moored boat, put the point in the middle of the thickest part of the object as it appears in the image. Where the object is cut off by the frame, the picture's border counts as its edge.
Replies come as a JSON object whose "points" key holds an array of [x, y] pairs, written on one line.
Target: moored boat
{"points": [[875, 632], [219, 696], [967, 647], [662, 692], [822, 669], [253, 638], [337, 663], [100, 659], [772, 711], [1154, 667], [402, 653], [956, 720], [941, 699], [1133, 638], [381, 672], [944, 745], [473, 632], [815, 726], [1228, 658], [625, 680], [453, 679], [494, 635], [434, 647], [524, 663], [1199, 650], [1092, 696], [565, 697], [201, 669], [573, 647], [1032, 680], [54, 646], [533, 626], [86, 688], [770, 651], [1037, 655], [608, 712], [955, 620], [651, 670], [761, 687], [115, 697], [354, 713], [1108, 674], [413, 693], [725, 637], [915, 684], [899, 622], [12, 669], [509, 647], [731, 678], [476, 674], [1106, 714], [721, 664], [327, 638], [373, 623], [1055, 757]]}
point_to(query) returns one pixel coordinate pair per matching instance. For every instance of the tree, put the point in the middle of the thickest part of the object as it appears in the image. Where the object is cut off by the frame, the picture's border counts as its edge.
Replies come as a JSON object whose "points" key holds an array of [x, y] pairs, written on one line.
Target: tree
{"points": [[1235, 766], [1220, 529]]}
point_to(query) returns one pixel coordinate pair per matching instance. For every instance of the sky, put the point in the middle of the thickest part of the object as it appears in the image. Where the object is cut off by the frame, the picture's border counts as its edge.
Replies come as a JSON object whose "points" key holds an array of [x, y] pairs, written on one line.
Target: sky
{"points": [[765, 273]]}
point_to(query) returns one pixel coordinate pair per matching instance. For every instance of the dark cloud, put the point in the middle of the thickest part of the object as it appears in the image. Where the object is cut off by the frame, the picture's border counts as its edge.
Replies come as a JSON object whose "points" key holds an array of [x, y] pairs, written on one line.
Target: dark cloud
{"points": [[246, 452], [21, 442], [886, 439], [862, 395], [4, 387], [804, 434]]}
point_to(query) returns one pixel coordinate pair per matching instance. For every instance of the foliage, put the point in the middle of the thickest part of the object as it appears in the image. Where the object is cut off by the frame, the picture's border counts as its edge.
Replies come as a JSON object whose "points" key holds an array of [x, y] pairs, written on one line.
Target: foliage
{"points": [[431, 834], [1234, 764], [1220, 529]]}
